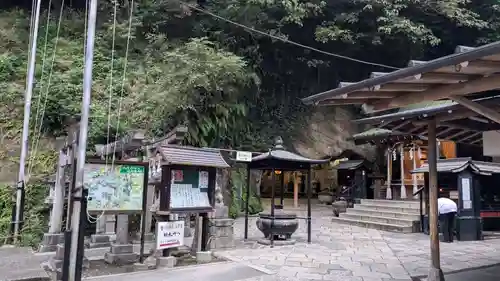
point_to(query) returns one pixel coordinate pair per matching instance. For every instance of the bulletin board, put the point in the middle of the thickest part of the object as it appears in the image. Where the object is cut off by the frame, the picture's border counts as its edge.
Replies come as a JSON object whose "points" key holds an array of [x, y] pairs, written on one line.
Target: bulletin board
{"points": [[115, 188], [188, 189]]}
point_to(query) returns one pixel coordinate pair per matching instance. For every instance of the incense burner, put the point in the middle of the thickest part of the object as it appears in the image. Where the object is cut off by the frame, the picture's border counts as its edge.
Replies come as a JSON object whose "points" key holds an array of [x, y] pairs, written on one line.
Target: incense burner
{"points": [[282, 228]]}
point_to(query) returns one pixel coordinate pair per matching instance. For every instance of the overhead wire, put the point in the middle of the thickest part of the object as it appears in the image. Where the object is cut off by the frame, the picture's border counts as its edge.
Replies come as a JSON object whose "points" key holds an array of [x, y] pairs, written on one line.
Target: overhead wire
{"points": [[49, 79], [39, 96], [90, 217], [251, 29], [124, 78]]}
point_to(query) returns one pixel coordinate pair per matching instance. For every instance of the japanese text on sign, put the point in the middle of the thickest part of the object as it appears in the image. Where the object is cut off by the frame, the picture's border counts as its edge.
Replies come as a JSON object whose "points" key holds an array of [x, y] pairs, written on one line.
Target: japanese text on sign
{"points": [[169, 234]]}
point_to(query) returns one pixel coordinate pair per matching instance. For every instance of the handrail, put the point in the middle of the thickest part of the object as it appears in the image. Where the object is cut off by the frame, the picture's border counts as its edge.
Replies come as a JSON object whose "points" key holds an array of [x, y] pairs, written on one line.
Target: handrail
{"points": [[420, 190]]}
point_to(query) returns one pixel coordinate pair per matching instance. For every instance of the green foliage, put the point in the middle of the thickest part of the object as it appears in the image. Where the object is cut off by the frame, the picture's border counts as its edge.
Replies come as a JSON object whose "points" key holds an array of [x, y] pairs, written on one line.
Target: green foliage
{"points": [[35, 216], [238, 181], [234, 88]]}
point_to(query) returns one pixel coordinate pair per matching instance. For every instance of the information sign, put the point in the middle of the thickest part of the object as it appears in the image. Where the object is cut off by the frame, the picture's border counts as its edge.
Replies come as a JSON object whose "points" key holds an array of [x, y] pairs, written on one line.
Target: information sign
{"points": [[169, 234], [191, 192], [114, 187]]}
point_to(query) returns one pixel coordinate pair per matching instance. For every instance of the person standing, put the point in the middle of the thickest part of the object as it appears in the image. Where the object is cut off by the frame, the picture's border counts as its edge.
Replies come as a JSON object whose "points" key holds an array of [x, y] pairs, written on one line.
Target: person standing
{"points": [[447, 210]]}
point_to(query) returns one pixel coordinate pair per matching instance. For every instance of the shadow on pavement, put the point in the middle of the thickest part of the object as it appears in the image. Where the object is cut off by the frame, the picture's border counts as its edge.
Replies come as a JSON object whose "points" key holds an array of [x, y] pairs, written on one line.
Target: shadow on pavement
{"points": [[491, 273]]}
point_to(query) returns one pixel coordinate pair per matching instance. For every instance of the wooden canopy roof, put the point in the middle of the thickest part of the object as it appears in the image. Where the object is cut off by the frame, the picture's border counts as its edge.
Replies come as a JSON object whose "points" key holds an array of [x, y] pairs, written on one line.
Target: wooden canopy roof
{"points": [[468, 70], [455, 122], [456, 165], [281, 159]]}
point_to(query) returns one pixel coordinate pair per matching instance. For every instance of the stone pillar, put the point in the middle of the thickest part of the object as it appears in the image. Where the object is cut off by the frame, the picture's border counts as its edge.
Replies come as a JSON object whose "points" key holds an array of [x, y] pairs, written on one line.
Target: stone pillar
{"points": [[389, 174], [221, 230], [110, 227], [54, 235], [414, 176], [402, 167], [100, 239], [121, 252], [148, 235]]}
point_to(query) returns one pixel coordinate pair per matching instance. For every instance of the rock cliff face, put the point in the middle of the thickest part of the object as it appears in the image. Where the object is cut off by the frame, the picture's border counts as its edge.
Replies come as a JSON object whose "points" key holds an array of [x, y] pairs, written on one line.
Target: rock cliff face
{"points": [[329, 132]]}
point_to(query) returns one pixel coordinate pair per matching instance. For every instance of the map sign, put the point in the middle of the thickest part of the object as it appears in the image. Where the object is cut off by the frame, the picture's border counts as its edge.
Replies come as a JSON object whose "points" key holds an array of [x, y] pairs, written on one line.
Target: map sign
{"points": [[114, 187]]}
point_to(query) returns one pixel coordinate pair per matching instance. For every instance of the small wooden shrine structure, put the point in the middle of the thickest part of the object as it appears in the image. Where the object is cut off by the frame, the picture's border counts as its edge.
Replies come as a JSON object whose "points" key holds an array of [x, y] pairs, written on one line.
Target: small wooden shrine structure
{"points": [[277, 222], [472, 185]]}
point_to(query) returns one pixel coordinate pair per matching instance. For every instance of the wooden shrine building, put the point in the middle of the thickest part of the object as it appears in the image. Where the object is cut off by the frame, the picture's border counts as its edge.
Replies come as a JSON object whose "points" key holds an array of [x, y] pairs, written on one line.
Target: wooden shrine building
{"points": [[469, 71]]}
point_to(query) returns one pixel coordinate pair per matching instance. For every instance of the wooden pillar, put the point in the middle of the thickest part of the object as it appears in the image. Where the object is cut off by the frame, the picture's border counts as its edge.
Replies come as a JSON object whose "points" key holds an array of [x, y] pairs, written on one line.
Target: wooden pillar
{"points": [[296, 178], [414, 176], [389, 174], [402, 167], [435, 272]]}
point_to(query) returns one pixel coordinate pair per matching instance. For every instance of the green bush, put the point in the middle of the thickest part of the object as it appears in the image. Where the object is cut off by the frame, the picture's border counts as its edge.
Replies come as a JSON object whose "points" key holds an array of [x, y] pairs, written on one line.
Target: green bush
{"points": [[238, 182]]}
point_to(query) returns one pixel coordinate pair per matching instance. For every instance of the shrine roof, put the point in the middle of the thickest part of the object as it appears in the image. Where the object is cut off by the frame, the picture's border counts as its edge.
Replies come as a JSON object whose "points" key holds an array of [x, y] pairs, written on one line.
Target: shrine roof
{"points": [[192, 156], [350, 165], [468, 70], [457, 165], [279, 158], [455, 122]]}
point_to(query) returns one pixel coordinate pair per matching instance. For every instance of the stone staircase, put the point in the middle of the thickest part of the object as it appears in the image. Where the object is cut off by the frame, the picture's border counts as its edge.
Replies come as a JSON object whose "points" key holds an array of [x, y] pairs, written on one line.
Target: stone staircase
{"points": [[387, 215]]}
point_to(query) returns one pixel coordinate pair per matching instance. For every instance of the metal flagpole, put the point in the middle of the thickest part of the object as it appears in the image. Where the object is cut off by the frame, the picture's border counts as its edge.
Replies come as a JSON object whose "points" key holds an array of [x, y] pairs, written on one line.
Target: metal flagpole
{"points": [[26, 126], [76, 254]]}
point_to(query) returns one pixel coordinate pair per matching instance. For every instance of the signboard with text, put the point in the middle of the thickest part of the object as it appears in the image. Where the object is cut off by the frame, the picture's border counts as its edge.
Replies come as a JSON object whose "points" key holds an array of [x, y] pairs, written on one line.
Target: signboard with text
{"points": [[169, 234], [114, 187]]}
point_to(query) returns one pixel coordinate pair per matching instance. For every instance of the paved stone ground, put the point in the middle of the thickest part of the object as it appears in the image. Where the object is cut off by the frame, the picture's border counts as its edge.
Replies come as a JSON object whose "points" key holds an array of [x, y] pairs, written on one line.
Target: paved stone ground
{"points": [[342, 252], [20, 263], [337, 252]]}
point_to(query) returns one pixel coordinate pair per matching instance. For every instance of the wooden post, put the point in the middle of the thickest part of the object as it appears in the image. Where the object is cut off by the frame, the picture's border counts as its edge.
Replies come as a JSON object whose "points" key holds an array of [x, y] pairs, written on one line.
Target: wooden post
{"points": [[435, 272], [402, 167], [389, 175], [296, 190], [414, 176]]}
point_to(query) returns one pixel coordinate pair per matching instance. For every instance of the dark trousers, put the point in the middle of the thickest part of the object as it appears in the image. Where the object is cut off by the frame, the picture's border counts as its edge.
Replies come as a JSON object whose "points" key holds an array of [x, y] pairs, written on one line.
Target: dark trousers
{"points": [[447, 226]]}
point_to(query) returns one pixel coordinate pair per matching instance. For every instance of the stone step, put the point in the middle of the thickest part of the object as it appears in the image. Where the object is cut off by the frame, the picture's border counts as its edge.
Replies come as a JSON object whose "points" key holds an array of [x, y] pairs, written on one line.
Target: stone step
{"points": [[374, 225], [388, 208], [369, 212], [398, 203], [379, 219]]}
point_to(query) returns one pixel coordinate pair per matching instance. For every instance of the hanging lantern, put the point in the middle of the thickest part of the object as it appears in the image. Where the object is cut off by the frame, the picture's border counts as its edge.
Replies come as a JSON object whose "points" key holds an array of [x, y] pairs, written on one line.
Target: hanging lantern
{"points": [[419, 153], [394, 154], [411, 153]]}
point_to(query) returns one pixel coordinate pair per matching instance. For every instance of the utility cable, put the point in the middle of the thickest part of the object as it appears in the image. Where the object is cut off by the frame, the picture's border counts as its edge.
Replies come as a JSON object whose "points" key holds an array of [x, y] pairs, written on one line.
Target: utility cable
{"points": [[251, 29], [124, 78], [49, 79], [90, 217], [39, 96]]}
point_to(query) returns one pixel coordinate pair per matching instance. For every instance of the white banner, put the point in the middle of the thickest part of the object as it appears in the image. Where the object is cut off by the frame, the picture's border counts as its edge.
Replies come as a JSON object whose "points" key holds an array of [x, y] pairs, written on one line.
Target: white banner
{"points": [[169, 234]]}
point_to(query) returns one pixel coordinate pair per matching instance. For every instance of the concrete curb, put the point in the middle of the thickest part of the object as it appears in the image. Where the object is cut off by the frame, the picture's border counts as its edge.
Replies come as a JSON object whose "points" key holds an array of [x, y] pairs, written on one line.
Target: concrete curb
{"points": [[159, 269]]}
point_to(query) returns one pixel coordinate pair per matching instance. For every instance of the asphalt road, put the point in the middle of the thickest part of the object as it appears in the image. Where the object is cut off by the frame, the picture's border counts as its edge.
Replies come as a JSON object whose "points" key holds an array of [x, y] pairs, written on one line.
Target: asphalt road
{"points": [[484, 274]]}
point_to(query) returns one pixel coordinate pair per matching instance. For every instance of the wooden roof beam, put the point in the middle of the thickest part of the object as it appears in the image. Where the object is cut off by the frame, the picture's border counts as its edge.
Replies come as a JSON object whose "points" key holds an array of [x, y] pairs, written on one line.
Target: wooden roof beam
{"points": [[457, 134], [341, 102], [401, 125], [469, 137], [430, 78], [391, 87], [477, 141], [442, 92], [478, 108], [368, 95], [443, 132], [466, 67]]}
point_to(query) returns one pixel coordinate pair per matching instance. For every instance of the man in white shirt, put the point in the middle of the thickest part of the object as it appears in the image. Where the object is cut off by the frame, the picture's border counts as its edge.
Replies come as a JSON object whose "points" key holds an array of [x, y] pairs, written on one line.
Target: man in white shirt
{"points": [[447, 210]]}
